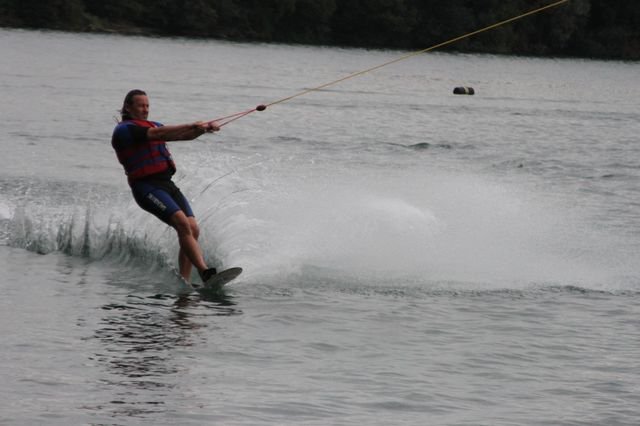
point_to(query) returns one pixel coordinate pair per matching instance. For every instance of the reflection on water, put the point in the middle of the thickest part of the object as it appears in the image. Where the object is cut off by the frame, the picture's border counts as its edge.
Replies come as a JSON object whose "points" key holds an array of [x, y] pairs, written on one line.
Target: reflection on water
{"points": [[141, 341]]}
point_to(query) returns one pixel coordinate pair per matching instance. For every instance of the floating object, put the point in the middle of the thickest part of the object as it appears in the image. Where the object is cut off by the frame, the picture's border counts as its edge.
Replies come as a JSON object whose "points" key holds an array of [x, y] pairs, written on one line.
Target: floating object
{"points": [[261, 107], [464, 91]]}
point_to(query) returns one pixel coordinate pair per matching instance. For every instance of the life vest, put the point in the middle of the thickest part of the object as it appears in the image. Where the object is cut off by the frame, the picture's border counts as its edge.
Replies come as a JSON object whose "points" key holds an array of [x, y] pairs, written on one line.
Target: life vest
{"points": [[141, 159]]}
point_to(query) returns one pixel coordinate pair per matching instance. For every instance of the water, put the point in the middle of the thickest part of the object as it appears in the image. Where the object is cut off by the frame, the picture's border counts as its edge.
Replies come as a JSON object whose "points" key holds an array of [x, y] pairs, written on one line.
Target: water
{"points": [[410, 256]]}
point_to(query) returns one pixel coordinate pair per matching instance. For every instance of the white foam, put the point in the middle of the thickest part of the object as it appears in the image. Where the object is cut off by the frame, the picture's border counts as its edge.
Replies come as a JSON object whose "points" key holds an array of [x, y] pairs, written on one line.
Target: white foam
{"points": [[5, 211], [432, 224]]}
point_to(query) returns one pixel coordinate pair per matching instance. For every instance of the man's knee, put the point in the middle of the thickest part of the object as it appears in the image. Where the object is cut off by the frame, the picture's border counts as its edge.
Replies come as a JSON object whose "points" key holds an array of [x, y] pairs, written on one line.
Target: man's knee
{"points": [[195, 229], [181, 224]]}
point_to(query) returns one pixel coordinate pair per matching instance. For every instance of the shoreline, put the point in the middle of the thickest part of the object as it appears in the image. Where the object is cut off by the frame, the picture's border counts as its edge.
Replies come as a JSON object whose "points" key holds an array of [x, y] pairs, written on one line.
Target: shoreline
{"points": [[136, 31]]}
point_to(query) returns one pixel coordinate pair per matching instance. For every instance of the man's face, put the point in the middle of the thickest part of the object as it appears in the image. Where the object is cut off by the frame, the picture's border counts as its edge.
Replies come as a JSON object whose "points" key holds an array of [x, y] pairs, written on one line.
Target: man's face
{"points": [[139, 108]]}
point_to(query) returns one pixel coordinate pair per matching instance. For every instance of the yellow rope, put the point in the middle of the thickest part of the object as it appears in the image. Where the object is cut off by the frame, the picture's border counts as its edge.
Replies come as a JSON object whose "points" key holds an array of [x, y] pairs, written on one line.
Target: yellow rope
{"points": [[419, 52]]}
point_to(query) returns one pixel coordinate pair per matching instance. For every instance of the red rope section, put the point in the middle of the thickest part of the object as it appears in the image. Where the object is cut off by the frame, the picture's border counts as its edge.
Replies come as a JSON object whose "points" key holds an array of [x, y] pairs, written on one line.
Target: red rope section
{"points": [[223, 121]]}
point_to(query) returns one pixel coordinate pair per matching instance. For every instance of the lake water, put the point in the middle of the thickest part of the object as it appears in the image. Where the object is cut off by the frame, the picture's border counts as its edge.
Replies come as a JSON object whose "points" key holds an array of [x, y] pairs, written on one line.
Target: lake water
{"points": [[410, 256]]}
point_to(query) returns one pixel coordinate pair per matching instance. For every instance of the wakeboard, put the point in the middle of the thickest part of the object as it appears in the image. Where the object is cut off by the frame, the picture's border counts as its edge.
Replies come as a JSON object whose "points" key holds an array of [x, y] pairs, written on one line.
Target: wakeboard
{"points": [[217, 281]]}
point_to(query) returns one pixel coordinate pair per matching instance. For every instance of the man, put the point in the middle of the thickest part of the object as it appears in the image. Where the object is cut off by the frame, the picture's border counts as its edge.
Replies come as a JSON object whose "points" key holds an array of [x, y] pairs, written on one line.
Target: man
{"points": [[142, 151]]}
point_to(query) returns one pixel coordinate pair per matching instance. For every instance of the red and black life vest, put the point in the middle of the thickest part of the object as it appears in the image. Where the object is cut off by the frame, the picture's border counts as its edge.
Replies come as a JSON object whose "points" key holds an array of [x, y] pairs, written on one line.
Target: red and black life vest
{"points": [[141, 159]]}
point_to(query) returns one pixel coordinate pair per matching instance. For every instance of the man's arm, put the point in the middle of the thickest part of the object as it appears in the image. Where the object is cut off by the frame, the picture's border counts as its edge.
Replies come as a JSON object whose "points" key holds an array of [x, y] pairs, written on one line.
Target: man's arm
{"points": [[181, 132]]}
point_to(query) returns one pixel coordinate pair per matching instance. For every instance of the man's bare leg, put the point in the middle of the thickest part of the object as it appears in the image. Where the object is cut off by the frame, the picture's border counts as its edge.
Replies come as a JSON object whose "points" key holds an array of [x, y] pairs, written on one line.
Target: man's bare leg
{"points": [[190, 252]]}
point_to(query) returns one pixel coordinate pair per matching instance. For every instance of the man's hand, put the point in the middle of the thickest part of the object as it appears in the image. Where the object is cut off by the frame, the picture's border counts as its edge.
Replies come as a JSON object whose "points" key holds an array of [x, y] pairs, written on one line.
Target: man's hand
{"points": [[207, 126], [182, 132]]}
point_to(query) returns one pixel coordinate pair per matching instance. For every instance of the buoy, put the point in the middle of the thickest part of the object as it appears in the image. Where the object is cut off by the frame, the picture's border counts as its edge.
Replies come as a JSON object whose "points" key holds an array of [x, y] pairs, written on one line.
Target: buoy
{"points": [[464, 91], [261, 107]]}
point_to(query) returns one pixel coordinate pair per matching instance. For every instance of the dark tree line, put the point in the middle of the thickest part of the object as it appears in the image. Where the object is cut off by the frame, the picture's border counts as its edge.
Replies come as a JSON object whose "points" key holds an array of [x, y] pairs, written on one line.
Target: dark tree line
{"points": [[587, 28]]}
